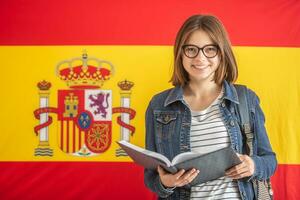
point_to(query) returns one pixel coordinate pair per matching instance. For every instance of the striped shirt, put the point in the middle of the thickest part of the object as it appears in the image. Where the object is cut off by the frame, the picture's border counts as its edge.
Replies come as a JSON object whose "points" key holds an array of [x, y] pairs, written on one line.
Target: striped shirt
{"points": [[208, 133]]}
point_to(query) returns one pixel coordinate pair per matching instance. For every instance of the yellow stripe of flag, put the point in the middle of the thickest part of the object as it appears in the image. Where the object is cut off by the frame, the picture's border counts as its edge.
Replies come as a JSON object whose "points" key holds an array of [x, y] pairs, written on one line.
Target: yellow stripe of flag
{"points": [[273, 73]]}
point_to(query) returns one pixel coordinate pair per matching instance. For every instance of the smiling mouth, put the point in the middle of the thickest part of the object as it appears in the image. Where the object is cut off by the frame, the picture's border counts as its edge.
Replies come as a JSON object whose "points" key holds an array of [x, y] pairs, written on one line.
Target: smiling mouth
{"points": [[199, 66]]}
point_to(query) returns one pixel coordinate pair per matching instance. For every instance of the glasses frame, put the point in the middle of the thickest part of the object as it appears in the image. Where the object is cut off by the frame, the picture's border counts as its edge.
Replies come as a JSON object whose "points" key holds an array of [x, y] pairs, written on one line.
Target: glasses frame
{"points": [[186, 45]]}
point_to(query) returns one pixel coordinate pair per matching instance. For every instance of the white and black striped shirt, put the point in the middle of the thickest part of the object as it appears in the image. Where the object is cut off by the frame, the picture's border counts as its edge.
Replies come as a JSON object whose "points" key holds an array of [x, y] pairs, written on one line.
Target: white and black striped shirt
{"points": [[208, 133]]}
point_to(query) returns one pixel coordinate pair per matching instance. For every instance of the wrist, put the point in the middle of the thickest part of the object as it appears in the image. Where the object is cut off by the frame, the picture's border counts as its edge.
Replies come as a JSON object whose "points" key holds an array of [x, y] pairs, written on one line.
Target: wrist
{"points": [[166, 187]]}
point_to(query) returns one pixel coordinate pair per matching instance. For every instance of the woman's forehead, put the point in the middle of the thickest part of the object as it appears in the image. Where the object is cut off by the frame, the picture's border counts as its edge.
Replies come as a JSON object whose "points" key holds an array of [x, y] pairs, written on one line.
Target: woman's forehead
{"points": [[199, 38]]}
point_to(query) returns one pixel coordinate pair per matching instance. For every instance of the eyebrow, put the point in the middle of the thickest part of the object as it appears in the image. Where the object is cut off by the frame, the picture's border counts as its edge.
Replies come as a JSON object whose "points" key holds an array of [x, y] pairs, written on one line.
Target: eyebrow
{"points": [[198, 46]]}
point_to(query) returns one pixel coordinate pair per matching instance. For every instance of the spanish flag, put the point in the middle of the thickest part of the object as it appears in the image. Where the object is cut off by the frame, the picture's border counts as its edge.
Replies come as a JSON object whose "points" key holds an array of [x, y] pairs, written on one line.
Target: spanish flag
{"points": [[77, 76]]}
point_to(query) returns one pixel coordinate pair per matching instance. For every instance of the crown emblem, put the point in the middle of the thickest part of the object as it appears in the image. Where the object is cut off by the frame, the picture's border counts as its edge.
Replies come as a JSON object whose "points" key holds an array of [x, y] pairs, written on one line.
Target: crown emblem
{"points": [[44, 85], [125, 85], [84, 73]]}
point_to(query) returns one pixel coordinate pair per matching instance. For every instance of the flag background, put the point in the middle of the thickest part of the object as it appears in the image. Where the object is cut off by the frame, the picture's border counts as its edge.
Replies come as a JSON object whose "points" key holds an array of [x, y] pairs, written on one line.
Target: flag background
{"points": [[137, 37]]}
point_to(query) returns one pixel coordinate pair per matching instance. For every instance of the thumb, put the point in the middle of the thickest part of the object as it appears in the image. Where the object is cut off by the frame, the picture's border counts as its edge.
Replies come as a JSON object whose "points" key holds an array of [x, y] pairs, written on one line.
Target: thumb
{"points": [[239, 155], [160, 170]]}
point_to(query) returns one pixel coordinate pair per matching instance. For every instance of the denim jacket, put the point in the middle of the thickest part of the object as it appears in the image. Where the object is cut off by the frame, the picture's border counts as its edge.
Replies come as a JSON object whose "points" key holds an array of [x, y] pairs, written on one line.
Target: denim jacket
{"points": [[168, 123]]}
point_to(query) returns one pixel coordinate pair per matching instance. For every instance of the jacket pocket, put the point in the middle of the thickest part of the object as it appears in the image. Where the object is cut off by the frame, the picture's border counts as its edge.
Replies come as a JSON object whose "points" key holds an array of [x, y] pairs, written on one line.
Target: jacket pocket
{"points": [[165, 123]]}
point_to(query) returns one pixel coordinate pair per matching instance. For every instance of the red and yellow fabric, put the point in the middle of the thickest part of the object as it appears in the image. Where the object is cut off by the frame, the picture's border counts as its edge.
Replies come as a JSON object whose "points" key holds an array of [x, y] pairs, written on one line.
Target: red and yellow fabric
{"points": [[137, 37]]}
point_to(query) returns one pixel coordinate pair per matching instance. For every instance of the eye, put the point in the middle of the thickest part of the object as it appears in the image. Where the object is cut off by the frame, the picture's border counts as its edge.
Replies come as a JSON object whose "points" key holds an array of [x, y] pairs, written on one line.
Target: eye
{"points": [[210, 49], [191, 50]]}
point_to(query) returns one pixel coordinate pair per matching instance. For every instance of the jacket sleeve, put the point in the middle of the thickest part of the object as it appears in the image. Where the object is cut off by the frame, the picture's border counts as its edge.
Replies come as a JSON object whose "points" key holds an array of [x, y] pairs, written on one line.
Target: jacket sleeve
{"points": [[151, 177], [264, 158]]}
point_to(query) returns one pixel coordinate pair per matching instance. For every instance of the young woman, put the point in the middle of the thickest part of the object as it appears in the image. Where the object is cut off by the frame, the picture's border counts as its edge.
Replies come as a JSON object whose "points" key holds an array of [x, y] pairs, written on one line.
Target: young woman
{"points": [[200, 114]]}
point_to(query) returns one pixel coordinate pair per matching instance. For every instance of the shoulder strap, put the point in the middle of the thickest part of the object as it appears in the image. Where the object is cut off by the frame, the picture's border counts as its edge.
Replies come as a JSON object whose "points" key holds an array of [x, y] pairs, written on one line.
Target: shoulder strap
{"points": [[262, 191], [245, 116]]}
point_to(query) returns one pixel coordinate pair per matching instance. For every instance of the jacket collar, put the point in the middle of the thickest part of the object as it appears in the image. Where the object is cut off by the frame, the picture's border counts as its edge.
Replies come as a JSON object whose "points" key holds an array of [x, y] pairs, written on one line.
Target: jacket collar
{"points": [[176, 94], [230, 92]]}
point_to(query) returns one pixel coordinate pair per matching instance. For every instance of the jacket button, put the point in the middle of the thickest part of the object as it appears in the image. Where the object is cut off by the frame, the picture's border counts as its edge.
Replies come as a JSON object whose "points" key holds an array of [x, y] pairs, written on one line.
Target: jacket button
{"points": [[166, 118], [231, 123], [223, 104]]}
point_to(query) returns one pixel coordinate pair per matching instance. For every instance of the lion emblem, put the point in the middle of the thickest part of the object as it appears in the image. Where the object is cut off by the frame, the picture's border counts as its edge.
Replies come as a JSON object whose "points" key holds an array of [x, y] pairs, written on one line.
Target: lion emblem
{"points": [[98, 102]]}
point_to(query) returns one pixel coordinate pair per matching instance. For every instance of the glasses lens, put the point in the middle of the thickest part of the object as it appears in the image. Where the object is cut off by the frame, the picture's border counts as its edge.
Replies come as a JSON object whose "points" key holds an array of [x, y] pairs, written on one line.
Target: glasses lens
{"points": [[210, 51], [191, 51]]}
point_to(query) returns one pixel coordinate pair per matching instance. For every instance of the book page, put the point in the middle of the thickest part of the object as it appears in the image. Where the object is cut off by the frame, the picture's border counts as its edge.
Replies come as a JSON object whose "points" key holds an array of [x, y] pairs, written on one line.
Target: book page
{"points": [[158, 156], [185, 156], [143, 156]]}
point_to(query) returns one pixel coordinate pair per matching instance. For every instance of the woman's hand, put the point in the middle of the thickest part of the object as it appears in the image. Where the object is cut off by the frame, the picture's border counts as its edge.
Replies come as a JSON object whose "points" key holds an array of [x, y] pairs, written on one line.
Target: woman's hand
{"points": [[179, 179], [245, 169]]}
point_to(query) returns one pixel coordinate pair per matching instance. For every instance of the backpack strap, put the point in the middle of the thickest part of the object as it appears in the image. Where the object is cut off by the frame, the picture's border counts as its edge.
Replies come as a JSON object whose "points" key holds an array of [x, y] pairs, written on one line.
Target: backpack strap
{"points": [[244, 113], [245, 117]]}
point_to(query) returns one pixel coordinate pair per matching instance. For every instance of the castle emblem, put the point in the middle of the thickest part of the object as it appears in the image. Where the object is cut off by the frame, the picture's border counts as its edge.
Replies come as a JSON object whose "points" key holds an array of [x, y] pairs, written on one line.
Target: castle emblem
{"points": [[84, 110]]}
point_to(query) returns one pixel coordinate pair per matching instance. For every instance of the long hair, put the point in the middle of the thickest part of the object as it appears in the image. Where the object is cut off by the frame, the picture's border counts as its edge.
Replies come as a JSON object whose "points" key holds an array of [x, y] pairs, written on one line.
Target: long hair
{"points": [[227, 69]]}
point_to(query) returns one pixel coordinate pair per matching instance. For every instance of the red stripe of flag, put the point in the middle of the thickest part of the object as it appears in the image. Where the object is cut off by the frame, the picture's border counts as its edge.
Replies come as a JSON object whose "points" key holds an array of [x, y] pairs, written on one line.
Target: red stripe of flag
{"points": [[63, 180], [34, 180], [286, 182], [131, 22]]}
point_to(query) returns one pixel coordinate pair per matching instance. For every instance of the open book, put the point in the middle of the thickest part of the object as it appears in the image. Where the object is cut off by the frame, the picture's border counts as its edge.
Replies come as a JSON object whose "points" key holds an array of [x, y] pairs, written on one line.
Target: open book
{"points": [[211, 165]]}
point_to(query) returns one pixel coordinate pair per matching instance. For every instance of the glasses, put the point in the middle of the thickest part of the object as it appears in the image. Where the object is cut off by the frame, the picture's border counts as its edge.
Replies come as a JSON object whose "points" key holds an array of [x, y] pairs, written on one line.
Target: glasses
{"points": [[192, 51]]}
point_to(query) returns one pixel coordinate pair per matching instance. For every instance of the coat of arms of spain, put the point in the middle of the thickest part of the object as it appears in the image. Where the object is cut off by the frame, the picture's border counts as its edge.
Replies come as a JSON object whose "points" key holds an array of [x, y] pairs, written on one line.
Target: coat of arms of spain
{"points": [[84, 110]]}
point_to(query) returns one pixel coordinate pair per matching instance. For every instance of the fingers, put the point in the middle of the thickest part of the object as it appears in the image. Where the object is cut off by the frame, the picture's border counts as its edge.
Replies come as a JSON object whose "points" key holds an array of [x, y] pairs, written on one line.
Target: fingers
{"points": [[179, 179], [238, 168], [179, 174], [168, 179], [161, 171], [239, 176], [187, 177], [192, 176], [244, 169], [238, 172]]}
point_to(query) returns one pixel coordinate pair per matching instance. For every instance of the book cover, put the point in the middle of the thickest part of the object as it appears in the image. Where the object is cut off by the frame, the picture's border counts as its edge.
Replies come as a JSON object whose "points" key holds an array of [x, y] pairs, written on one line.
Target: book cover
{"points": [[211, 165]]}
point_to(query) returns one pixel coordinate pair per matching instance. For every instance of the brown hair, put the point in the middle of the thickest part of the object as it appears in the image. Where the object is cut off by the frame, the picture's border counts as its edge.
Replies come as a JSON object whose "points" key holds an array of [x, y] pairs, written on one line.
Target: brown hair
{"points": [[227, 69]]}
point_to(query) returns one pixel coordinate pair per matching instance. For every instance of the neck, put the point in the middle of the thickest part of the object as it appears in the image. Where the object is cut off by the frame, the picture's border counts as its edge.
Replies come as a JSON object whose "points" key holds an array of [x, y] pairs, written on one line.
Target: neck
{"points": [[201, 90]]}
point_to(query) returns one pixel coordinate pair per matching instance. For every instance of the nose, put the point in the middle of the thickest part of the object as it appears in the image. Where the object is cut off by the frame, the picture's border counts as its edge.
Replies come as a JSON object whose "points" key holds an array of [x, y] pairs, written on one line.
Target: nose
{"points": [[200, 55]]}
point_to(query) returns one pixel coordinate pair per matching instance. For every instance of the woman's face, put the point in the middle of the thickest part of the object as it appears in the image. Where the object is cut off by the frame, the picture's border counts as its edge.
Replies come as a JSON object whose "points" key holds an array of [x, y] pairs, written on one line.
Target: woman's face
{"points": [[200, 68]]}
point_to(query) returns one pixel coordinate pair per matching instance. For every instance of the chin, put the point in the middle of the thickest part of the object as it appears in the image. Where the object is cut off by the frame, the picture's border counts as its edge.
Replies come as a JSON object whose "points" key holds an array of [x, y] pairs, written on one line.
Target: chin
{"points": [[202, 77]]}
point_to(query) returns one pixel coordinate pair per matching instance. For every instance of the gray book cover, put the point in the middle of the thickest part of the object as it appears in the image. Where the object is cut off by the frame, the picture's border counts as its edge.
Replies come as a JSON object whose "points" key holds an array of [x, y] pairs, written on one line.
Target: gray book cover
{"points": [[211, 165]]}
